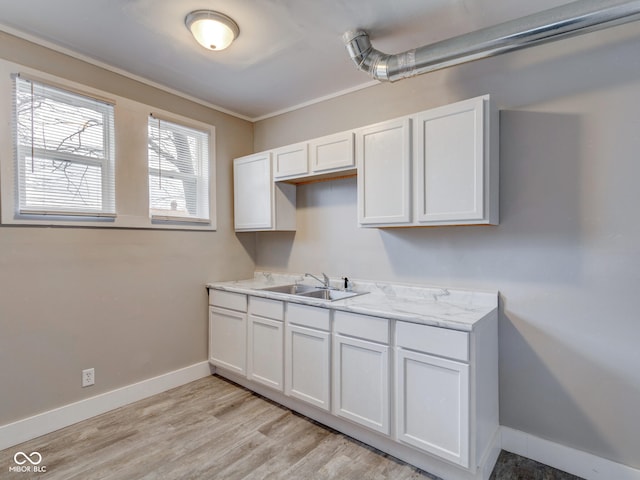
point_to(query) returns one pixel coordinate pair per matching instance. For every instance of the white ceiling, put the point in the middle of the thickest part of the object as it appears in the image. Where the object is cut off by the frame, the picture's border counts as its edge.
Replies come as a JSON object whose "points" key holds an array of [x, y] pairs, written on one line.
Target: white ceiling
{"points": [[289, 52]]}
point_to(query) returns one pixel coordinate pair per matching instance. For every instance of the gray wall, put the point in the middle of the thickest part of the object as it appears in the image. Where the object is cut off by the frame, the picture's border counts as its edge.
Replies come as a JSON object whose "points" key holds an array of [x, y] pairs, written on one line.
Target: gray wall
{"points": [[566, 255], [130, 303]]}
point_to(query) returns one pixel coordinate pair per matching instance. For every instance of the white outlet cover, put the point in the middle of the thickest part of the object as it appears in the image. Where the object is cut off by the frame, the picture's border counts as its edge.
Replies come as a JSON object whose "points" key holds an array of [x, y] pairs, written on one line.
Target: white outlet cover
{"points": [[88, 377]]}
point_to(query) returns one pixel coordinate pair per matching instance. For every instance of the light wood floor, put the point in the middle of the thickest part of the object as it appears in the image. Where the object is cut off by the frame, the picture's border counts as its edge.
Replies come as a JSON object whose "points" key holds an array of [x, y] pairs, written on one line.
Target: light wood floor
{"points": [[209, 429]]}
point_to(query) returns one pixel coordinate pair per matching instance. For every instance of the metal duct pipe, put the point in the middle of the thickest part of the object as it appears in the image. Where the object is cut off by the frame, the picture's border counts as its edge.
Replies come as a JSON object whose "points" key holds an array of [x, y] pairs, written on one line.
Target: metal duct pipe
{"points": [[574, 18]]}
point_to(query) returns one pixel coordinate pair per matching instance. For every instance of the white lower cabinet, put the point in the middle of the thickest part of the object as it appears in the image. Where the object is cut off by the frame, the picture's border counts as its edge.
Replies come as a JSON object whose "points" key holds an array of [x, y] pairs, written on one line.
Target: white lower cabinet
{"points": [[421, 392], [228, 339], [308, 355], [361, 374], [432, 406], [361, 382], [265, 342]]}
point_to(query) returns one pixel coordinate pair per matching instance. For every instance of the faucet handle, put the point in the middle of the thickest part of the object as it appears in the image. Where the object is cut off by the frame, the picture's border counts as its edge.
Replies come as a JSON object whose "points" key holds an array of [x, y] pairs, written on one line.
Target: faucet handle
{"points": [[346, 283]]}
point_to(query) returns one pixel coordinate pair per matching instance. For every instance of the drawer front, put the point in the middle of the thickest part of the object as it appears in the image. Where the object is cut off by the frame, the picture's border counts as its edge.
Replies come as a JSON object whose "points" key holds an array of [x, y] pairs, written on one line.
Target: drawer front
{"points": [[437, 341], [366, 327], [307, 316], [230, 300], [265, 307]]}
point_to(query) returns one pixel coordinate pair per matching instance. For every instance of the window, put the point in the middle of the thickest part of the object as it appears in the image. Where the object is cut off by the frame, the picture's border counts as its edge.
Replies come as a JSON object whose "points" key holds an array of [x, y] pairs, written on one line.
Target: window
{"points": [[58, 152], [64, 152], [178, 172]]}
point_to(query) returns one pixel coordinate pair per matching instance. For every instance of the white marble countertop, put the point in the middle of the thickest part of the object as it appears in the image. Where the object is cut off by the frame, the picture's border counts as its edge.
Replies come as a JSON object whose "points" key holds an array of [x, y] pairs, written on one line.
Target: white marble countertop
{"points": [[441, 307]]}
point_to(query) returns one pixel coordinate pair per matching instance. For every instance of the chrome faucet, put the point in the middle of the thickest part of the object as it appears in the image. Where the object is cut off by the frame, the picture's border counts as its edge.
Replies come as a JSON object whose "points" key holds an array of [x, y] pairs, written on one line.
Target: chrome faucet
{"points": [[325, 282]]}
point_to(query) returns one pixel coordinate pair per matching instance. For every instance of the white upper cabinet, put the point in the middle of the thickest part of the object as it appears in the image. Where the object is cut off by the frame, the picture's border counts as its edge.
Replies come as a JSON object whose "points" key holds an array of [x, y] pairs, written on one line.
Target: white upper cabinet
{"points": [[437, 167], [259, 203], [321, 158], [291, 161], [333, 152], [455, 167], [448, 177], [383, 154]]}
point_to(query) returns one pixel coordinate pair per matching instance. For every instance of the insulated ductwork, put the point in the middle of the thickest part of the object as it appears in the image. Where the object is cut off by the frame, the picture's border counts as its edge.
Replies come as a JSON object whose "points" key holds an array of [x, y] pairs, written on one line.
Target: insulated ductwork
{"points": [[574, 18]]}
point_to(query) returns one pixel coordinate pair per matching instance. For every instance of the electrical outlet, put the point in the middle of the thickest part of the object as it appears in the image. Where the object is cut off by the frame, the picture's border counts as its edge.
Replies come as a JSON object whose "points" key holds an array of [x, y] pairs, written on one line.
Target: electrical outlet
{"points": [[88, 377]]}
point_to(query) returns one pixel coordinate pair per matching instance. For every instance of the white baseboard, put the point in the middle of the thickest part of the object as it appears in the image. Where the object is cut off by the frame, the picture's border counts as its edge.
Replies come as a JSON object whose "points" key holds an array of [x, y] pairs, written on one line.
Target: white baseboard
{"points": [[43, 423], [490, 457], [570, 460]]}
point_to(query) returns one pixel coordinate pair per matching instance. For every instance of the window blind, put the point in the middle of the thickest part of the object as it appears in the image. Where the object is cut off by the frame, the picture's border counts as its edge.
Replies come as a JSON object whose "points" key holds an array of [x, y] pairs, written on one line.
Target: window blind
{"points": [[178, 172], [64, 151]]}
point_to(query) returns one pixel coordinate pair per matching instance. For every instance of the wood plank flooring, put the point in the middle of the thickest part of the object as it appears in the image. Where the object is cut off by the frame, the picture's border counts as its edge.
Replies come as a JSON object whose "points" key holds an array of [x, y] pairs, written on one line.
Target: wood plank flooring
{"points": [[214, 429]]}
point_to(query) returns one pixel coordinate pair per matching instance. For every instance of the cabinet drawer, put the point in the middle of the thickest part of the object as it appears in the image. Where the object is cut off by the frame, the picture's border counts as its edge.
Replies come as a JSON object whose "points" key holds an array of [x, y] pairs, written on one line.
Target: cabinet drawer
{"points": [[366, 327], [266, 307], [230, 300], [312, 317], [437, 341]]}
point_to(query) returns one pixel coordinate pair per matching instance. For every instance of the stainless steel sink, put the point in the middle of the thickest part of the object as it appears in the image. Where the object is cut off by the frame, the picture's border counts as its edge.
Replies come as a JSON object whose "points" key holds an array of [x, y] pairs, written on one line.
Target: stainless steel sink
{"points": [[295, 289], [331, 295], [311, 291]]}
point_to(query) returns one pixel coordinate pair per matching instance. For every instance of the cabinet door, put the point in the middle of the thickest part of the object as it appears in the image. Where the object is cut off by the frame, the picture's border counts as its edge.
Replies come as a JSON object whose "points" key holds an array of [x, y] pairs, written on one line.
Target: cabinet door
{"points": [[307, 363], [383, 154], [253, 192], [228, 339], [449, 156], [289, 161], [361, 382], [265, 351], [433, 405], [332, 152]]}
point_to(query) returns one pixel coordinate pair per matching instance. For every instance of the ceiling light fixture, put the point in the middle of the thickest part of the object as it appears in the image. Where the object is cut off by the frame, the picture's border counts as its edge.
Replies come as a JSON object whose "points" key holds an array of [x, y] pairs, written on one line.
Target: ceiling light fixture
{"points": [[212, 30]]}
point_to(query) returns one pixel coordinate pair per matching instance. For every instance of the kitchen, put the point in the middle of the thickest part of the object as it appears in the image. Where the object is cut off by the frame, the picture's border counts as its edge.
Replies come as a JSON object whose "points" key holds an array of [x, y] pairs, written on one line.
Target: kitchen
{"points": [[564, 257]]}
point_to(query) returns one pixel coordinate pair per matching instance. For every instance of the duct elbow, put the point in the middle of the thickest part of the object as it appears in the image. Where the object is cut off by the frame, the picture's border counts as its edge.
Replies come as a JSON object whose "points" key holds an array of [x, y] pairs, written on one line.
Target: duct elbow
{"points": [[357, 43], [366, 58]]}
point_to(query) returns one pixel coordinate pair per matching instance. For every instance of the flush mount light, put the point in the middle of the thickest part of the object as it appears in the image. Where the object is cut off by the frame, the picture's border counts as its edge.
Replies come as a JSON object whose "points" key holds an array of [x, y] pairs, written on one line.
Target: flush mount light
{"points": [[212, 30]]}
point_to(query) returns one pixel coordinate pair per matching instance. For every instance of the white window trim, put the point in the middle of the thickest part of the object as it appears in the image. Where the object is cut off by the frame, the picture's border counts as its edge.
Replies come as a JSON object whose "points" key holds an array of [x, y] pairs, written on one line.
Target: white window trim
{"points": [[79, 99], [184, 122], [131, 162]]}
